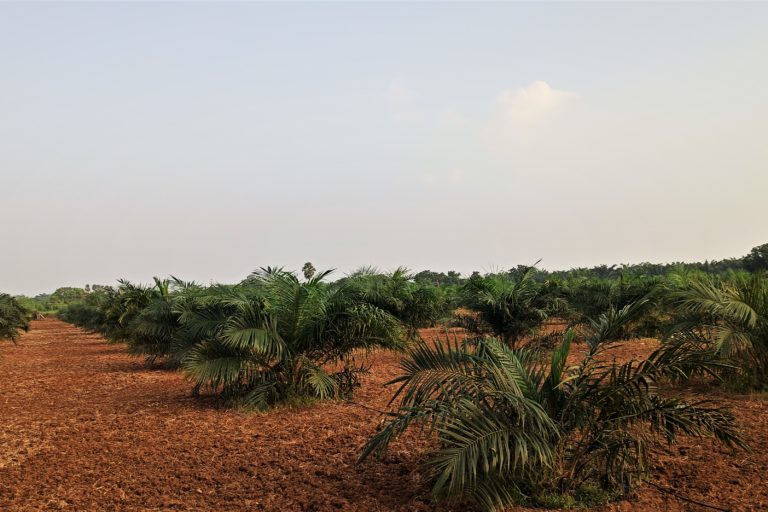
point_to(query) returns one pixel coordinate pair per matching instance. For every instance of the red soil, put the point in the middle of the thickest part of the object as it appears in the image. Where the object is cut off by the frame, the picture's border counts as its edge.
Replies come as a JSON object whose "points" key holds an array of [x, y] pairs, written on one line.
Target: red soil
{"points": [[85, 427]]}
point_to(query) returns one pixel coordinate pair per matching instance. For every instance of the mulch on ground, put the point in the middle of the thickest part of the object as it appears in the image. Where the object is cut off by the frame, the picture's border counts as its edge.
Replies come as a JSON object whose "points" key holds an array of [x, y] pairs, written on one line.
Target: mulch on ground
{"points": [[86, 427]]}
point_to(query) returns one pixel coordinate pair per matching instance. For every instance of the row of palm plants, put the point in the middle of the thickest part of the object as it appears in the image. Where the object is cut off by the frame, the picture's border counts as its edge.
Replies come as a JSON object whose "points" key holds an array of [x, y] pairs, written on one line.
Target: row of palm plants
{"points": [[270, 339], [514, 306], [509, 306]]}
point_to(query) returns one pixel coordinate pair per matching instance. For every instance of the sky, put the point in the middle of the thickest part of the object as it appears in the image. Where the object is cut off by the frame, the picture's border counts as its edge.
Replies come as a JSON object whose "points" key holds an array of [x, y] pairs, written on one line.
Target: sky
{"points": [[206, 140]]}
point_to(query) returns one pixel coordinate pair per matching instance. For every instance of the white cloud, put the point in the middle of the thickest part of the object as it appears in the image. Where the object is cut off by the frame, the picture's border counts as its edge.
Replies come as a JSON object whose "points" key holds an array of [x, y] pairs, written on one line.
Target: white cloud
{"points": [[531, 104]]}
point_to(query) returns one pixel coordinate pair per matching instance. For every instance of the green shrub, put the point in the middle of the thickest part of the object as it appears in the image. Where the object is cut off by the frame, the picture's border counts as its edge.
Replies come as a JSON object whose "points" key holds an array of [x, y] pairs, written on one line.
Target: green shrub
{"points": [[13, 318]]}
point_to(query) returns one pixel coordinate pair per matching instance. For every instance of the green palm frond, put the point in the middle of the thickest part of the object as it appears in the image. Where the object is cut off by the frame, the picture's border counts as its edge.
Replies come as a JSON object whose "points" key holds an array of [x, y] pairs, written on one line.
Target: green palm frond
{"points": [[481, 441], [250, 328], [210, 363], [321, 384], [262, 395], [444, 371], [612, 324]]}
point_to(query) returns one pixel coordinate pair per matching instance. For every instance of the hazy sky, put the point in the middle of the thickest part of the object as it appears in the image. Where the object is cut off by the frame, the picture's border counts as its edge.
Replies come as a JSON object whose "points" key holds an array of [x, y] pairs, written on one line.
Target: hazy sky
{"points": [[208, 139]]}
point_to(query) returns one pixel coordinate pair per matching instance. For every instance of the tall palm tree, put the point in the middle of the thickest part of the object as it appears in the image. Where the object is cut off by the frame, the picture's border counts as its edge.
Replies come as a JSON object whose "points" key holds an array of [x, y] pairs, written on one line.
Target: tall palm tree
{"points": [[308, 270]]}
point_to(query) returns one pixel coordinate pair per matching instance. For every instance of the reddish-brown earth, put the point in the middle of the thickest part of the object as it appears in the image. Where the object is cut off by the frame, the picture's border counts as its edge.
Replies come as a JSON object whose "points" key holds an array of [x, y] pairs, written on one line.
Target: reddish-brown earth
{"points": [[85, 427]]}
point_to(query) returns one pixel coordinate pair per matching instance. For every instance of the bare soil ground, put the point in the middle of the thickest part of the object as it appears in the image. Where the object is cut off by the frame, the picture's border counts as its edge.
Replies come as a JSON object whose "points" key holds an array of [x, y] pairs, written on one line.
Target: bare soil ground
{"points": [[85, 427]]}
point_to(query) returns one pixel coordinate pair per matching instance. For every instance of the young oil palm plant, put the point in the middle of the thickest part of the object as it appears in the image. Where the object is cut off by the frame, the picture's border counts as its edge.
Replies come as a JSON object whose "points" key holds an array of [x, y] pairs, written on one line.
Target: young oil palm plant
{"points": [[13, 318], [415, 304], [731, 316], [510, 306], [155, 327], [510, 427], [122, 307], [275, 338], [590, 297]]}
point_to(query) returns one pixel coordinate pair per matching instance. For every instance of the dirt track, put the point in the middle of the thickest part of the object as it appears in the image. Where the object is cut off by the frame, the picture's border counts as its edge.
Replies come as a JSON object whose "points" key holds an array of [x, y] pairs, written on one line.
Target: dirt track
{"points": [[85, 427]]}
